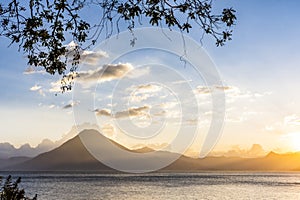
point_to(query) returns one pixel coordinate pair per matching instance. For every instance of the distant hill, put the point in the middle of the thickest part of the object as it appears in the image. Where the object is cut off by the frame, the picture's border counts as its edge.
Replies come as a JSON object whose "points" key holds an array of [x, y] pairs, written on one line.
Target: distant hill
{"points": [[4, 163], [72, 155], [7, 150]]}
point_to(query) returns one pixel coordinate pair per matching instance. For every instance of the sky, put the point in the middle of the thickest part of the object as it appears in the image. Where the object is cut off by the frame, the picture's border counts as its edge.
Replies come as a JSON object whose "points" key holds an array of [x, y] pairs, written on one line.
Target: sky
{"points": [[259, 69]]}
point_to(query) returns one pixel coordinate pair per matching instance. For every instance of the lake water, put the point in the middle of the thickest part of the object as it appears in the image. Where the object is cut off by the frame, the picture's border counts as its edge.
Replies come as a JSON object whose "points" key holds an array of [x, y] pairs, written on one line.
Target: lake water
{"points": [[165, 186]]}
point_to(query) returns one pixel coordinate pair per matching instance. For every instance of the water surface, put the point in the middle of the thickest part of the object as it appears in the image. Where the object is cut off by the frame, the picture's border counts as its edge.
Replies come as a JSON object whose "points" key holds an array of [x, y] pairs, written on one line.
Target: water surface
{"points": [[66, 186]]}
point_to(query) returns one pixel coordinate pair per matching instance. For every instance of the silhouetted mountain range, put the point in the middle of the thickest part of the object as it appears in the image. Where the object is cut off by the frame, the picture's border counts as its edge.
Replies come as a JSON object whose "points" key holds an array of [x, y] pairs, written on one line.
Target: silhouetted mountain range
{"points": [[6, 163], [7, 150], [72, 155]]}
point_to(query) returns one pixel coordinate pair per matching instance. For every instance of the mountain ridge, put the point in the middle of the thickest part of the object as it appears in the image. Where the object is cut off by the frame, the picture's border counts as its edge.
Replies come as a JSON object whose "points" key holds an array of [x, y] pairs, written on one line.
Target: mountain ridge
{"points": [[8, 150], [73, 156]]}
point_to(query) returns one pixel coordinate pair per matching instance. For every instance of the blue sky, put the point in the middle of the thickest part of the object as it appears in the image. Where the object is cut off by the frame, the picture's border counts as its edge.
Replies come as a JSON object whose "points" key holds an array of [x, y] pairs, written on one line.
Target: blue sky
{"points": [[261, 65]]}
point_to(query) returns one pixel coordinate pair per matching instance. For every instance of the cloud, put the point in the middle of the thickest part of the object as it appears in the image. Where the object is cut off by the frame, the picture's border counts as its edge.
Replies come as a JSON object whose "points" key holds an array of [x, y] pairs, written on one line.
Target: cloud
{"points": [[51, 106], [108, 129], [256, 150], [236, 119], [103, 112], [231, 91], [170, 104], [71, 46], [87, 78], [192, 121], [143, 92], [92, 57], [106, 73], [87, 57], [35, 88], [71, 104], [202, 90], [182, 81], [55, 87], [202, 121], [288, 124], [237, 93], [131, 112], [232, 94], [153, 146], [277, 128], [161, 113], [41, 92], [138, 72], [225, 88], [292, 120], [139, 98], [38, 88], [148, 88], [209, 89], [32, 70]]}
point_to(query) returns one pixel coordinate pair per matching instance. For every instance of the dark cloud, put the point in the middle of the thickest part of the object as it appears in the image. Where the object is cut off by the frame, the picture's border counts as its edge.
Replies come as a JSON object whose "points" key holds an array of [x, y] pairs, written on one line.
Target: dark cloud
{"points": [[71, 104], [103, 112]]}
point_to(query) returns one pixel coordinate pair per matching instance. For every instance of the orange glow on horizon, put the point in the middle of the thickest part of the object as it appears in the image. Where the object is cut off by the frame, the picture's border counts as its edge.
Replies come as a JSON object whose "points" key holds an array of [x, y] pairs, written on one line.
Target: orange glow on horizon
{"points": [[294, 140]]}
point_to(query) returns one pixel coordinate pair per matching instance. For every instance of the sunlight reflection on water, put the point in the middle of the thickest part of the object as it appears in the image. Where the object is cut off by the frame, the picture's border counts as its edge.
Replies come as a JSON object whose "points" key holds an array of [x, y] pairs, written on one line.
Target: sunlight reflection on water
{"points": [[162, 186]]}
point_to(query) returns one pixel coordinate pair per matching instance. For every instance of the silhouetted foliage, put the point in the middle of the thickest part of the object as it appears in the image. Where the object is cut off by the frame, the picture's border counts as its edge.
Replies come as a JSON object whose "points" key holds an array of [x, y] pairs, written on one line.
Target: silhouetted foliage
{"points": [[40, 27], [11, 191]]}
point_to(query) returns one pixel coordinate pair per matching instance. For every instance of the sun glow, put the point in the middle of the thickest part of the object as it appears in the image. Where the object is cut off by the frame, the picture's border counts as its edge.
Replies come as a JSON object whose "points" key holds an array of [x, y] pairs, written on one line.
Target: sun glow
{"points": [[294, 139]]}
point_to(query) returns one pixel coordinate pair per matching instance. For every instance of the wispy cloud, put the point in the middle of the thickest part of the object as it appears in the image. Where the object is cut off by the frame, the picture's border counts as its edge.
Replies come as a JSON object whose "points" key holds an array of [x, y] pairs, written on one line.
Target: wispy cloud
{"points": [[182, 81], [71, 104], [143, 92], [33, 70], [292, 120], [133, 112], [288, 124], [140, 97], [41, 92], [170, 104], [108, 129], [209, 89], [138, 72], [236, 151], [130, 112], [35, 88], [52, 106], [92, 57], [55, 87], [148, 88], [39, 89]]}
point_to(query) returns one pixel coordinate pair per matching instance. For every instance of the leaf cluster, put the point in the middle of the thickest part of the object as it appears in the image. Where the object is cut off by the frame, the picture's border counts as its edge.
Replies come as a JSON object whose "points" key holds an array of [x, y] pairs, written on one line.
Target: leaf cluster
{"points": [[41, 27]]}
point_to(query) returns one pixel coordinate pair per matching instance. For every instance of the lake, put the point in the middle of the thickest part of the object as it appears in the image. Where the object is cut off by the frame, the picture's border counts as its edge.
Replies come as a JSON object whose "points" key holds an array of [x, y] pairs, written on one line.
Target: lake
{"points": [[210, 185]]}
